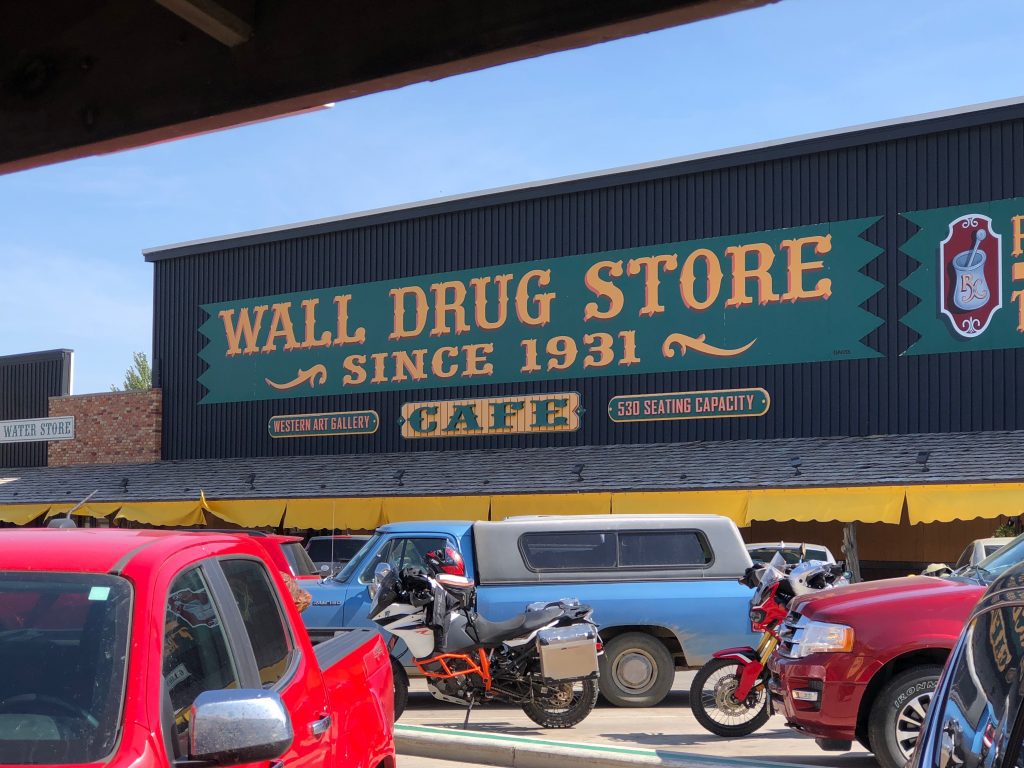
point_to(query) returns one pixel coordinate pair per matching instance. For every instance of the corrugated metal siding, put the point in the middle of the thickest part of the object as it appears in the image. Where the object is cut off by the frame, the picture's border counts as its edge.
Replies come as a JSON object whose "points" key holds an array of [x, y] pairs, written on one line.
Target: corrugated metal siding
{"points": [[953, 392], [27, 382]]}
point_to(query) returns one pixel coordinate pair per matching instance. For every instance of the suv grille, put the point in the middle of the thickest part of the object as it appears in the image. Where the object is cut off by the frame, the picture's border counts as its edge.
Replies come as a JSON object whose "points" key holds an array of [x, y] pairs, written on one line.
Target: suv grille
{"points": [[791, 634]]}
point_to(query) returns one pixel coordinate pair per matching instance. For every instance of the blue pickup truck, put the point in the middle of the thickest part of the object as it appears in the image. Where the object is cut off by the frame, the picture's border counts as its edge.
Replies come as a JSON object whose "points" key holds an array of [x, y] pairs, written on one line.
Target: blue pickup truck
{"points": [[663, 587]]}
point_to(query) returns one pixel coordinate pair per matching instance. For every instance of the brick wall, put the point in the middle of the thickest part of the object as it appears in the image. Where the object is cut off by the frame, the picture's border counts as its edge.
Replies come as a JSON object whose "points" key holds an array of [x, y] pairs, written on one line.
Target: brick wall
{"points": [[110, 428]]}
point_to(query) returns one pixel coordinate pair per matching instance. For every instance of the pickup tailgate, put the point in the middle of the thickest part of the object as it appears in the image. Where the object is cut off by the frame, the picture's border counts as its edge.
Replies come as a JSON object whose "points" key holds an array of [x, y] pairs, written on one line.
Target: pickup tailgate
{"points": [[355, 663]]}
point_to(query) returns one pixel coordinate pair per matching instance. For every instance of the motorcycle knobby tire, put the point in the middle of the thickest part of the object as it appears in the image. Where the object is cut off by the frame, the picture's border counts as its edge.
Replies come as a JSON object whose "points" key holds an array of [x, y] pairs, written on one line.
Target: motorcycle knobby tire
{"points": [[706, 721]]}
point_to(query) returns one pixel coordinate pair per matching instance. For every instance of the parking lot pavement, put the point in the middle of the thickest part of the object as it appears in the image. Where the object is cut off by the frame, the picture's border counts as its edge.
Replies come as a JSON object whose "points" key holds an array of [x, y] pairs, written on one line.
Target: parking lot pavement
{"points": [[668, 726]]}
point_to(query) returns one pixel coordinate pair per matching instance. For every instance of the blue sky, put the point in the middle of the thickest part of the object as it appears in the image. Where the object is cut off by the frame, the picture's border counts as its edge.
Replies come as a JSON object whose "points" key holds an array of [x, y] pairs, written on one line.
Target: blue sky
{"points": [[71, 235]]}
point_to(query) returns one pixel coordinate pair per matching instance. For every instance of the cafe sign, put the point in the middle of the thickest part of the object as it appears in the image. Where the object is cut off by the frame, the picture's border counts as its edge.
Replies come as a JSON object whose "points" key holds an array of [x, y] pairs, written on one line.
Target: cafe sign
{"points": [[519, 415], [719, 403], [763, 298], [37, 430], [324, 424]]}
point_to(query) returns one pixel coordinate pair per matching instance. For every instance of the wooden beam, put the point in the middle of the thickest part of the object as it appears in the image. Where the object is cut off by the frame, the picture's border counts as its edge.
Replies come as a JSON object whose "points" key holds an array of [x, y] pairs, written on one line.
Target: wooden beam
{"points": [[212, 18]]}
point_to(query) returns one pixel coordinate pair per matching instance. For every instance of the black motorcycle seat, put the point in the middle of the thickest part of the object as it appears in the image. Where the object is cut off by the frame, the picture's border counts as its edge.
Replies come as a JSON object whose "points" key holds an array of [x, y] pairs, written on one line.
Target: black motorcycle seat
{"points": [[489, 632]]}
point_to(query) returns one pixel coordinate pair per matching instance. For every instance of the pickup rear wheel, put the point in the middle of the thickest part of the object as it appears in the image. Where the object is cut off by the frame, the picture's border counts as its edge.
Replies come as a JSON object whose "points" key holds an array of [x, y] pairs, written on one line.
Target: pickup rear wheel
{"points": [[897, 714], [636, 670], [401, 687]]}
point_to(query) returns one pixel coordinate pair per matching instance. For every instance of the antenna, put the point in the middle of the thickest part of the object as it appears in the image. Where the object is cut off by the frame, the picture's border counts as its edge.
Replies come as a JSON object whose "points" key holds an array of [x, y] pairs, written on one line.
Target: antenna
{"points": [[66, 521]]}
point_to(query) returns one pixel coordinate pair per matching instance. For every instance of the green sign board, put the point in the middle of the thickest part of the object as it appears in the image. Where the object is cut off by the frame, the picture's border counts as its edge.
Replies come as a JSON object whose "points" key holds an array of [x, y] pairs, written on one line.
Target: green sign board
{"points": [[712, 404], [324, 424], [969, 279], [784, 296]]}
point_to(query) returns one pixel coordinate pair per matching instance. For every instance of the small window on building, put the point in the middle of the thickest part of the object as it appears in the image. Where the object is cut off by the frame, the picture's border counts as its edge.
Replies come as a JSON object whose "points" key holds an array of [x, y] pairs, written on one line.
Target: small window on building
{"points": [[258, 603], [663, 549], [572, 551]]}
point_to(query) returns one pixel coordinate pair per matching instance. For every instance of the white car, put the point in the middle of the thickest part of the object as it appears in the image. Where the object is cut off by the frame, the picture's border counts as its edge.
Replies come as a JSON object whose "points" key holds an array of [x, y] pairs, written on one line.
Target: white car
{"points": [[979, 549], [791, 552]]}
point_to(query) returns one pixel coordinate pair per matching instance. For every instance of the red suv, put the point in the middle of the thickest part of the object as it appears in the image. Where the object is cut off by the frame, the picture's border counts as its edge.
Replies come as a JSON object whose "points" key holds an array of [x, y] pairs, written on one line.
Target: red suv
{"points": [[861, 662]]}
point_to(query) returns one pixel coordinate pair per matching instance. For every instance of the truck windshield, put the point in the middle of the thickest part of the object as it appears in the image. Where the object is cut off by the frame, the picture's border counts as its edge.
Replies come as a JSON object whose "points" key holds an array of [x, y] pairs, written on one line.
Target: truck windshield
{"points": [[357, 558], [337, 550], [64, 649], [993, 565]]}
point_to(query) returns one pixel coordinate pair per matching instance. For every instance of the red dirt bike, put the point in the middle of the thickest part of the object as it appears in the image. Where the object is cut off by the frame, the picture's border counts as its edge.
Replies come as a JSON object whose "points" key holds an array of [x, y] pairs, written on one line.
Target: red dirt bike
{"points": [[729, 694]]}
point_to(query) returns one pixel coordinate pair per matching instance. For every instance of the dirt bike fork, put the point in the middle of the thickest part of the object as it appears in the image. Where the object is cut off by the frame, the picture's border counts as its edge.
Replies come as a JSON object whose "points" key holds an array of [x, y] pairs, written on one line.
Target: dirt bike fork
{"points": [[751, 672]]}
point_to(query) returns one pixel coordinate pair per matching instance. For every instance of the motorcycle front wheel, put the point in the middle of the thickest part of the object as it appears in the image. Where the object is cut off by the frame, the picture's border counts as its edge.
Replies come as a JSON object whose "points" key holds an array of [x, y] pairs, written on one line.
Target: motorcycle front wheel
{"points": [[561, 705], [716, 708]]}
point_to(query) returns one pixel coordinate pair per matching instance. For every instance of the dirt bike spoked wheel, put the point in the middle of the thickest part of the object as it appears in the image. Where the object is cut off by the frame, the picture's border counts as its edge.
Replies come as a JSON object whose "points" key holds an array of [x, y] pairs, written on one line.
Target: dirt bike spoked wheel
{"points": [[561, 705], [715, 706]]}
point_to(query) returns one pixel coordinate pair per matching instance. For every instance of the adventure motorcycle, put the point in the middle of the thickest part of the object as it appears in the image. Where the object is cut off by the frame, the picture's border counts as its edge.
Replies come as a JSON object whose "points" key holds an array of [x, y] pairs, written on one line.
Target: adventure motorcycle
{"points": [[544, 660], [729, 694]]}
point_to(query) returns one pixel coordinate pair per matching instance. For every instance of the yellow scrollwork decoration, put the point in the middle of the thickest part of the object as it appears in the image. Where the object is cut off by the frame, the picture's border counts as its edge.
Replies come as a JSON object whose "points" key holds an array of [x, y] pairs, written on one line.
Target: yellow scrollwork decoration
{"points": [[310, 375], [697, 344]]}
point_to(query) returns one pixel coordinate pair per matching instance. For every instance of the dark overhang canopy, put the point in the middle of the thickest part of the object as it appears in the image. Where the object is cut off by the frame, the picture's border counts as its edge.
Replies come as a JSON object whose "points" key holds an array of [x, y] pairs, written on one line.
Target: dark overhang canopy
{"points": [[81, 78]]}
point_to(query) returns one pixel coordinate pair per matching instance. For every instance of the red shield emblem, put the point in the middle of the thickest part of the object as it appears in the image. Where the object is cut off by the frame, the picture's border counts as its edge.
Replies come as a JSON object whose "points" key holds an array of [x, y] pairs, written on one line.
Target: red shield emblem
{"points": [[970, 274]]}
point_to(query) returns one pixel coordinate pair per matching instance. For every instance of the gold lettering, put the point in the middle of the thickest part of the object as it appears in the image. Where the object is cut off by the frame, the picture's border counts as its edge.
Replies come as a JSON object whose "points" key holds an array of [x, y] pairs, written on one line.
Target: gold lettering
{"points": [[712, 284], [246, 327], [437, 364], [741, 273], [398, 302], [343, 336], [603, 289], [476, 360], [356, 375], [542, 300], [443, 306], [281, 327], [651, 265], [480, 301], [309, 342], [796, 267], [414, 365], [1018, 236]]}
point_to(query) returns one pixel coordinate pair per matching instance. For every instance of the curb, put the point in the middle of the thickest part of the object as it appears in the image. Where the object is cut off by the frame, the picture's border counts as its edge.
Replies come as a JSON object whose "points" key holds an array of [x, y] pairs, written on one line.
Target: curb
{"points": [[520, 752]]}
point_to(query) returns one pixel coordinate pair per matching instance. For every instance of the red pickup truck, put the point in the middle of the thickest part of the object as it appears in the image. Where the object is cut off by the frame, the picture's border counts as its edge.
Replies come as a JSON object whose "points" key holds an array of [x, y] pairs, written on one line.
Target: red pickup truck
{"points": [[861, 662], [146, 648]]}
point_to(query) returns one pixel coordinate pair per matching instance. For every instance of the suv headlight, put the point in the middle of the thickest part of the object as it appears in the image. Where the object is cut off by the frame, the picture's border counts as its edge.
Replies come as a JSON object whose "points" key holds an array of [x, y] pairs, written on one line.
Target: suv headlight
{"points": [[821, 637]]}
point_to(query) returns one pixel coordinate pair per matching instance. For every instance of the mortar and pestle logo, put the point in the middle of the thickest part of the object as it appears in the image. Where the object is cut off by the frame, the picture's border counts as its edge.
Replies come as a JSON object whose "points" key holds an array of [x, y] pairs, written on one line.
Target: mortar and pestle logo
{"points": [[971, 288], [970, 274]]}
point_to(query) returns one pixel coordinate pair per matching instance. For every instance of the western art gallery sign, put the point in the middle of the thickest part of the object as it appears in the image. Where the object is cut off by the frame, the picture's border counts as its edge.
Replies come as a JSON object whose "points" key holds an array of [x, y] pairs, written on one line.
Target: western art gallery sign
{"points": [[764, 298], [785, 296]]}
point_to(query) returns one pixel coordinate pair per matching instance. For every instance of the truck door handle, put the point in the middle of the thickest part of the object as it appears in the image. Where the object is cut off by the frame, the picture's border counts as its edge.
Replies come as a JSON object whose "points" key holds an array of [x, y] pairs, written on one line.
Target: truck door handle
{"points": [[319, 727]]}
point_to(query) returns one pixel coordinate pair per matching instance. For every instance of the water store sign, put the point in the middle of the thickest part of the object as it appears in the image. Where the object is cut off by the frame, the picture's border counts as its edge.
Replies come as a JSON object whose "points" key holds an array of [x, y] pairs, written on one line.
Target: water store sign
{"points": [[784, 296], [37, 430]]}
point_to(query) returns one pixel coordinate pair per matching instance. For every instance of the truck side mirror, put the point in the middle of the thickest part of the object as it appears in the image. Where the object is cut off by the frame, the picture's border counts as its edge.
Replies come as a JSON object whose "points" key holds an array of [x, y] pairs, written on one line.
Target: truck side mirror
{"points": [[233, 727]]}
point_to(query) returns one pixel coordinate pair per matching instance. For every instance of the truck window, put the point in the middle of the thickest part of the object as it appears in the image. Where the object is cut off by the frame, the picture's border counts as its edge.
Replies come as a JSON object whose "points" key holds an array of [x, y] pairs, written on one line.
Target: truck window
{"points": [[402, 552], [663, 549], [569, 551], [965, 558], [64, 648], [261, 612], [196, 656]]}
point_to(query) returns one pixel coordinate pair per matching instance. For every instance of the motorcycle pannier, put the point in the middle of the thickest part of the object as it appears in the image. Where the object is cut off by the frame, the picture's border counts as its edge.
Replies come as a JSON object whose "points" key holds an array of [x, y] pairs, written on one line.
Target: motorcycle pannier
{"points": [[568, 653]]}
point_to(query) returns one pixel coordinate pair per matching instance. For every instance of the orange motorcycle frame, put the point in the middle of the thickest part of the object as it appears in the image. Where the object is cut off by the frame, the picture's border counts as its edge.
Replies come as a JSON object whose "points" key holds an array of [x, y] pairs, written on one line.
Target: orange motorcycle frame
{"points": [[481, 667]]}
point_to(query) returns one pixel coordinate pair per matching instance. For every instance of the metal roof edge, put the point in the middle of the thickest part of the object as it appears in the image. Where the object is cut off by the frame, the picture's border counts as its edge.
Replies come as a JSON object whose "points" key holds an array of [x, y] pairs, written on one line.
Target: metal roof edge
{"points": [[928, 122], [31, 357]]}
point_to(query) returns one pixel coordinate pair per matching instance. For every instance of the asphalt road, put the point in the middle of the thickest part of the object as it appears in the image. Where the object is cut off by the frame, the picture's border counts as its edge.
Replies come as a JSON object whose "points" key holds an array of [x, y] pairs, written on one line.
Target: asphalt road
{"points": [[668, 726]]}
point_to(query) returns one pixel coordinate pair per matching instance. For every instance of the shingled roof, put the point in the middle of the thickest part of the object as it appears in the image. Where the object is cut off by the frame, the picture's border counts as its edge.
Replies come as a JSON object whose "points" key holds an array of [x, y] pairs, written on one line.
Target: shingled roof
{"points": [[835, 461]]}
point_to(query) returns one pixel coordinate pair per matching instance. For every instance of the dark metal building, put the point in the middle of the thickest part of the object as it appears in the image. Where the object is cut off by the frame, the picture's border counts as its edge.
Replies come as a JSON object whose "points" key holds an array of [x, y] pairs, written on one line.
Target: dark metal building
{"points": [[27, 382], [909, 376]]}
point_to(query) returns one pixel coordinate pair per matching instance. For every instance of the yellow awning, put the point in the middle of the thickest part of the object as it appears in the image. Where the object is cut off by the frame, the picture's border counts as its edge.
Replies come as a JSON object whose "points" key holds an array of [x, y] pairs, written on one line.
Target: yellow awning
{"points": [[362, 514], [400, 509], [731, 504], [177, 513], [21, 514], [248, 513], [551, 504], [89, 509], [946, 503], [883, 504]]}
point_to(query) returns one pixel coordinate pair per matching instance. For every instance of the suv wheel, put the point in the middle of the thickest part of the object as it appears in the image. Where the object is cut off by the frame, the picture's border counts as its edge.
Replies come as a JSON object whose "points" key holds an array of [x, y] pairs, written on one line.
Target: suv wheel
{"points": [[898, 713]]}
